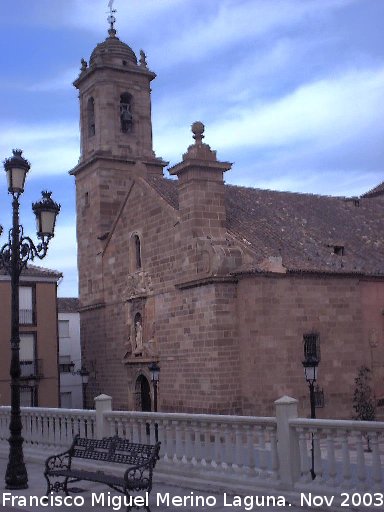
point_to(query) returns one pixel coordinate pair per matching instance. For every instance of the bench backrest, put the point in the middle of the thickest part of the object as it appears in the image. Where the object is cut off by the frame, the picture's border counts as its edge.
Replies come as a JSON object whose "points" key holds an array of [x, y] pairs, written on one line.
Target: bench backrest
{"points": [[114, 449]]}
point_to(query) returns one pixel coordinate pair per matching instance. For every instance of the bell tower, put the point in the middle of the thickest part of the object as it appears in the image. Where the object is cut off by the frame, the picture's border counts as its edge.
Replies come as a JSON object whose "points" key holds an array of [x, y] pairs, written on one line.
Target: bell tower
{"points": [[115, 103], [116, 147]]}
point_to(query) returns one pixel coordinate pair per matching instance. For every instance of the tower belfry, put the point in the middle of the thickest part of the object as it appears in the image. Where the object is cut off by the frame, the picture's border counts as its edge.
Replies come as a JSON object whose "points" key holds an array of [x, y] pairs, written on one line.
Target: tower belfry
{"points": [[116, 146], [115, 103]]}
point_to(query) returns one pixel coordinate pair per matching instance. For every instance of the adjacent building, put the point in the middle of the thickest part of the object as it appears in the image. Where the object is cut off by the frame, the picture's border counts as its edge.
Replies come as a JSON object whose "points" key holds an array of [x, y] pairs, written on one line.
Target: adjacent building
{"points": [[71, 387], [38, 337], [217, 284]]}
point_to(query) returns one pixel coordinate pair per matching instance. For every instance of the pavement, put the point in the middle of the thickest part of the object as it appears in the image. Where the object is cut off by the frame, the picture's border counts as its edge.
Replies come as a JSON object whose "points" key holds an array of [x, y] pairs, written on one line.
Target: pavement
{"points": [[88, 496]]}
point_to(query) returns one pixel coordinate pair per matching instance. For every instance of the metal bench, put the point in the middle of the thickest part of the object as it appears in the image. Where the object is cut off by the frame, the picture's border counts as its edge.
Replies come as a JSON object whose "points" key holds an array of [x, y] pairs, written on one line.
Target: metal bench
{"points": [[140, 459]]}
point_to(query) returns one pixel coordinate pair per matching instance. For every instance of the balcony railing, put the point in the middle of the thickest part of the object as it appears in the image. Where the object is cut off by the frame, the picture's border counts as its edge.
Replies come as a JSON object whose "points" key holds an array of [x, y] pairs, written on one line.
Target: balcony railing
{"points": [[31, 369], [25, 316]]}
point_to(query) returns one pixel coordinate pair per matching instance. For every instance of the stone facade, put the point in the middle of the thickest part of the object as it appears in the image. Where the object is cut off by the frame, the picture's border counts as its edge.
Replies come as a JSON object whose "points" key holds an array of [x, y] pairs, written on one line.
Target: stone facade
{"points": [[216, 283]]}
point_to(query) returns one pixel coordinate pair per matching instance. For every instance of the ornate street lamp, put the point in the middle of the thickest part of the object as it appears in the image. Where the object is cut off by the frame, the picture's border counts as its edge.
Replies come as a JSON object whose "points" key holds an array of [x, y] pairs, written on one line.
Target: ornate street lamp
{"points": [[310, 364], [14, 256], [155, 374], [84, 374]]}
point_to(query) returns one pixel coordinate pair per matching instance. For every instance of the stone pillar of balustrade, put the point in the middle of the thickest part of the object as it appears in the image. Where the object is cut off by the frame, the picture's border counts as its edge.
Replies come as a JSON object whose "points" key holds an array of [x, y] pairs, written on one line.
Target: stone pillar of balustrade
{"points": [[103, 403], [287, 441]]}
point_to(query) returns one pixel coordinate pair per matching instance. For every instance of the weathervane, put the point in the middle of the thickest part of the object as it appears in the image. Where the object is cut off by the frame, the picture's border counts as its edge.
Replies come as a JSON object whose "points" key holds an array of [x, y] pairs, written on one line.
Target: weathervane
{"points": [[111, 18]]}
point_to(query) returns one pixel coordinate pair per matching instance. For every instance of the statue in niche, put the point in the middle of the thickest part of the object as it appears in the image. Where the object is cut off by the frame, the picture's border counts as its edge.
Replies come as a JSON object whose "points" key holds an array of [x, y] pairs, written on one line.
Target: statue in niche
{"points": [[138, 334]]}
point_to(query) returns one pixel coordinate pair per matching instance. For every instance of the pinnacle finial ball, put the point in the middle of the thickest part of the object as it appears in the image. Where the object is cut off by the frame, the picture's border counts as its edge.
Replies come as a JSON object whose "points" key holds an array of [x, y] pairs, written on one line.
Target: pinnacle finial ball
{"points": [[198, 131]]}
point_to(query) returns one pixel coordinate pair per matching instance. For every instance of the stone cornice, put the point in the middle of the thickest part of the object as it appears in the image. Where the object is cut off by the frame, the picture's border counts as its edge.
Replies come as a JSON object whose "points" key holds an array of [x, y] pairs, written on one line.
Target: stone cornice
{"points": [[99, 156], [203, 281], [91, 307]]}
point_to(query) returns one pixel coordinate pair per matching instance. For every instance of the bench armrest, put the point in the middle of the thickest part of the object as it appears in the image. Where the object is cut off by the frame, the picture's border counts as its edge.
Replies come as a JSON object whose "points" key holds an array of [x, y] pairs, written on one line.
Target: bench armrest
{"points": [[140, 476], [59, 461]]}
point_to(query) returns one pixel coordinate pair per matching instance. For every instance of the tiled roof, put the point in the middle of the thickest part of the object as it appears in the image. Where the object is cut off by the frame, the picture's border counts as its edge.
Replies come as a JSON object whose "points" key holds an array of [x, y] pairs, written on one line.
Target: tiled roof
{"points": [[67, 304], [34, 271], [306, 230], [166, 188]]}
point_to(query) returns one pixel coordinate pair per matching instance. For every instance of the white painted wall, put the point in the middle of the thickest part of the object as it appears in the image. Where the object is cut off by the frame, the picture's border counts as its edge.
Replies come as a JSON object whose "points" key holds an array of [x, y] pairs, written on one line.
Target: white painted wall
{"points": [[71, 347]]}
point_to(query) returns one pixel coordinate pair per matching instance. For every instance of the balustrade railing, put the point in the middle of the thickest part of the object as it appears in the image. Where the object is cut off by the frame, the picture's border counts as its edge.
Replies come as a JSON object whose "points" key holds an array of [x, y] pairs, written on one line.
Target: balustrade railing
{"points": [[226, 444], [347, 454], [50, 427], [261, 453]]}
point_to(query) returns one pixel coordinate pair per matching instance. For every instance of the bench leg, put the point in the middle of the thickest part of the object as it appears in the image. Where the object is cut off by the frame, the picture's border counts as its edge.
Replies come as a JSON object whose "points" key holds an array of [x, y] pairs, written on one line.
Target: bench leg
{"points": [[57, 486], [128, 509]]}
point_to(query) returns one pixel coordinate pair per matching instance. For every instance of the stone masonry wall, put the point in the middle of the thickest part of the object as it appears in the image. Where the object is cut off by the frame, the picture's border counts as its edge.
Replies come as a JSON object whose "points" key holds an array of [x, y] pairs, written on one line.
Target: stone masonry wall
{"points": [[193, 330], [277, 311]]}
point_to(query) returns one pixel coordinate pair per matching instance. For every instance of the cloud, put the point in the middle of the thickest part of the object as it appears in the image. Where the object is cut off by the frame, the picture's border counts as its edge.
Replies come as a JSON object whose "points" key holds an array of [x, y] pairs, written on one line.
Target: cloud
{"points": [[235, 22], [63, 247], [52, 148], [61, 82], [62, 256], [91, 15], [323, 136], [195, 29], [338, 106]]}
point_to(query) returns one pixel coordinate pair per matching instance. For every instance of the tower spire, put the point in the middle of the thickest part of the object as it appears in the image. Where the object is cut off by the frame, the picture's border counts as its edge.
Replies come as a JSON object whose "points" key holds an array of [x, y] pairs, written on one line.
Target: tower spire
{"points": [[111, 19]]}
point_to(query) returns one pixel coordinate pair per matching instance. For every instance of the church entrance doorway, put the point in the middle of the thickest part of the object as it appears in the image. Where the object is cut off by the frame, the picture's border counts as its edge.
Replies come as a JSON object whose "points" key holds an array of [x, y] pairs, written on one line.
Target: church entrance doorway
{"points": [[143, 394]]}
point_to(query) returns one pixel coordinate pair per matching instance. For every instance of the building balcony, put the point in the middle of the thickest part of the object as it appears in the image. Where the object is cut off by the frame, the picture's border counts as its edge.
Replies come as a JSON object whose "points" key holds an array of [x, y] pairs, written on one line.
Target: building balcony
{"points": [[26, 316], [31, 369]]}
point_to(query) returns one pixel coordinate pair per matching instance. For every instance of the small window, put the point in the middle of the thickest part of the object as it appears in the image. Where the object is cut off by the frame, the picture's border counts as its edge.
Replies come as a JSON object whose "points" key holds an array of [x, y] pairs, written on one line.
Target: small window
{"points": [[27, 354], [66, 400], [126, 118], [135, 260], [65, 364], [91, 117], [137, 247], [28, 396], [27, 347], [63, 328], [26, 309]]}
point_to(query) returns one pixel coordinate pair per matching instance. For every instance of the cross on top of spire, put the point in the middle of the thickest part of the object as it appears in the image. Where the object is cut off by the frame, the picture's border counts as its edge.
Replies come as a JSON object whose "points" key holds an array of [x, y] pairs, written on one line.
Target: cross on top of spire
{"points": [[111, 19]]}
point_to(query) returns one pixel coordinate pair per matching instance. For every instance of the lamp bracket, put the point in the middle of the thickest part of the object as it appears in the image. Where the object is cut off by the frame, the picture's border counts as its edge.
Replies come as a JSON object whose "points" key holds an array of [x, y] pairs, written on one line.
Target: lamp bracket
{"points": [[27, 251]]}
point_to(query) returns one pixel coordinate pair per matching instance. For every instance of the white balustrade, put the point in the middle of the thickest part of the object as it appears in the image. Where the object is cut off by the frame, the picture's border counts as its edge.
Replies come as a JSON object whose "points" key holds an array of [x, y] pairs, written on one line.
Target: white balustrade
{"points": [[264, 453], [347, 454], [239, 444], [5, 414], [50, 427]]}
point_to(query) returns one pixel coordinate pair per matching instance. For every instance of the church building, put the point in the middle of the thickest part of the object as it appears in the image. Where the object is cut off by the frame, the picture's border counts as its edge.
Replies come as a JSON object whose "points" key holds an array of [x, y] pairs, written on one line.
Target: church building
{"points": [[219, 285]]}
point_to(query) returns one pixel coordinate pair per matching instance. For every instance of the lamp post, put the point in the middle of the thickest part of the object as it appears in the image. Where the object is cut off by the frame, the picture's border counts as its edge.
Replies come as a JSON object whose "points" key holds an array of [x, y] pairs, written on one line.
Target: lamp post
{"points": [[310, 364], [84, 374], [14, 256], [155, 373]]}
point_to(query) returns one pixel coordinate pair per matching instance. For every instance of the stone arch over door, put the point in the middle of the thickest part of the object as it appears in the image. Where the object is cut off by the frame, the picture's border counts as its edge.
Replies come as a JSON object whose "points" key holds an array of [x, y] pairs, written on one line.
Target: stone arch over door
{"points": [[143, 394]]}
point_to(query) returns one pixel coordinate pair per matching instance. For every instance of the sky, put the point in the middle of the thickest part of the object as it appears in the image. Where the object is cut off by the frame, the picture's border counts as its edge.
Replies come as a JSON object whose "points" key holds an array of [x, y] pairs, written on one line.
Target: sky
{"points": [[290, 91]]}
